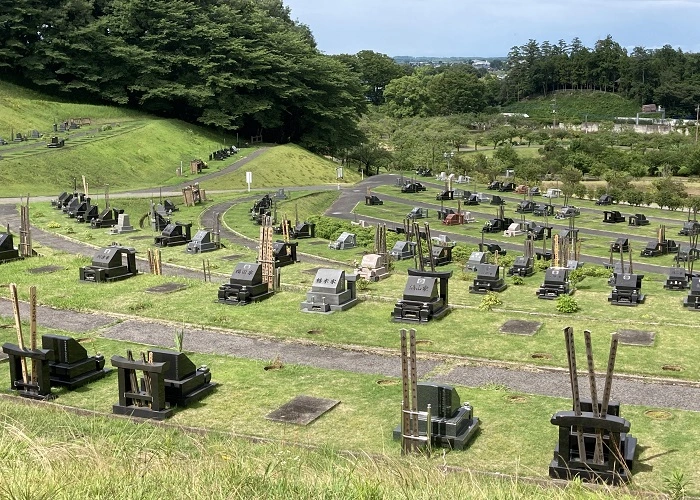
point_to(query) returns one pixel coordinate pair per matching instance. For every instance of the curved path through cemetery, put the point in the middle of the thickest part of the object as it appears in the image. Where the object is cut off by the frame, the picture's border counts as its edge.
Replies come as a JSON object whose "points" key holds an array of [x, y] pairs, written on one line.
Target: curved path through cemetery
{"points": [[522, 379]]}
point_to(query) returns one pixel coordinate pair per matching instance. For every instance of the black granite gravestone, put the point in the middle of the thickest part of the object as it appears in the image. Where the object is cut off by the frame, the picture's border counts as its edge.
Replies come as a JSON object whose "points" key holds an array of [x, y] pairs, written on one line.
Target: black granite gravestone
{"points": [[285, 253], [107, 265], [488, 279], [556, 283], [637, 220], [677, 279], [8, 252], [627, 290], [692, 301], [613, 217], [618, 447], [107, 218], [245, 285], [304, 230], [174, 234], [453, 423], [71, 366], [184, 382], [522, 266], [425, 297]]}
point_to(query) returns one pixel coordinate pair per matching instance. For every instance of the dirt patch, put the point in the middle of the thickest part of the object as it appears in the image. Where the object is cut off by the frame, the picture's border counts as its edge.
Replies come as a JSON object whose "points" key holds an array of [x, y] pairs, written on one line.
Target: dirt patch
{"points": [[317, 243], [520, 327], [232, 257], [144, 237], [672, 368], [385, 381], [45, 269], [167, 288], [314, 331], [516, 398], [636, 337], [424, 342], [658, 414], [541, 355]]}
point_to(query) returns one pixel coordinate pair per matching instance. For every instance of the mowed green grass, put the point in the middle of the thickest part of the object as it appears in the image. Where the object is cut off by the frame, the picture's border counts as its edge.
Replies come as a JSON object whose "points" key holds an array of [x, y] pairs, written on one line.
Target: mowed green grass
{"points": [[136, 151], [516, 436], [39, 444], [25, 110], [285, 165]]}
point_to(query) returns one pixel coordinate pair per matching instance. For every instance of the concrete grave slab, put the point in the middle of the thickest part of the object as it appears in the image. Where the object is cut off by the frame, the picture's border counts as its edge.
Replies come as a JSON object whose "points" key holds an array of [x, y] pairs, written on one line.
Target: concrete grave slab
{"points": [[167, 288], [232, 257], [520, 327], [45, 269], [144, 237], [302, 410], [636, 337]]}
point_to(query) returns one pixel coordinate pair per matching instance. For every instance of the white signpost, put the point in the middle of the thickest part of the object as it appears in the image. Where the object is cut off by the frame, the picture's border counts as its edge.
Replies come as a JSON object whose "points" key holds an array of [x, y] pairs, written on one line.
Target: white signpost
{"points": [[249, 179]]}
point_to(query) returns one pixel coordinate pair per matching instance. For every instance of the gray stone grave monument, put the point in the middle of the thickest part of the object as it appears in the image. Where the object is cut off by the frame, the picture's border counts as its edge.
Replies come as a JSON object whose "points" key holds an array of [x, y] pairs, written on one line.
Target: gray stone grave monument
{"points": [[123, 225], [331, 291]]}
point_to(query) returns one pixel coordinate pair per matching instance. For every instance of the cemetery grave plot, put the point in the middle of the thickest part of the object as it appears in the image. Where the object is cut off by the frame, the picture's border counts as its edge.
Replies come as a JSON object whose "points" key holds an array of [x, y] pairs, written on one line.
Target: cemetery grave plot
{"points": [[520, 327], [636, 337], [302, 410], [232, 257], [45, 269], [167, 288]]}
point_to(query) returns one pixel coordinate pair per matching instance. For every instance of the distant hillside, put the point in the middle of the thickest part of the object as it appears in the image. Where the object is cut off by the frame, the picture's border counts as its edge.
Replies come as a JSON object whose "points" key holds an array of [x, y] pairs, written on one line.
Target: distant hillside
{"points": [[576, 106]]}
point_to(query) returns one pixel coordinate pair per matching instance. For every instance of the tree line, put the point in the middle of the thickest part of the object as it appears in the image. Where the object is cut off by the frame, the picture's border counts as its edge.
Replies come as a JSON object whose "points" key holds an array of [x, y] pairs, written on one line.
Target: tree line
{"points": [[665, 76], [236, 64]]}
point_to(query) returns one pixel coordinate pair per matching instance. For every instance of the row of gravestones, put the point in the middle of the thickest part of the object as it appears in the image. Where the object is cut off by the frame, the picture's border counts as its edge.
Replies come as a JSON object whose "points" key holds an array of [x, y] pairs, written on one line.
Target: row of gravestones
{"points": [[169, 379]]}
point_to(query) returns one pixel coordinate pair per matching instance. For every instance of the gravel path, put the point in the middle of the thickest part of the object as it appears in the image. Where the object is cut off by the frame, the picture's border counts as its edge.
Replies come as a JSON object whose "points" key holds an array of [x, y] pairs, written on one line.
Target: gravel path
{"points": [[523, 379]]}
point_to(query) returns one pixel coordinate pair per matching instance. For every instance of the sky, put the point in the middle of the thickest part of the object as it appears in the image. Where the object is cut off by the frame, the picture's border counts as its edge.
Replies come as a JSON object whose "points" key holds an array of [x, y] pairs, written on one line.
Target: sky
{"points": [[489, 28]]}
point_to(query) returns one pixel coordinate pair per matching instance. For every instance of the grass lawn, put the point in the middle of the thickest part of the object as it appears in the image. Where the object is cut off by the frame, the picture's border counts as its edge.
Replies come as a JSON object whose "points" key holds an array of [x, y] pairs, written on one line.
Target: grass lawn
{"points": [[576, 105], [286, 165]]}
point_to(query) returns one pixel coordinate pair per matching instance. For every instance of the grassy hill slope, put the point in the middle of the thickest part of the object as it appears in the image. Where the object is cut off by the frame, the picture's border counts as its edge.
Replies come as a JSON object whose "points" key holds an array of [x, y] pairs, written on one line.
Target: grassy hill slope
{"points": [[286, 165], [123, 148], [575, 105]]}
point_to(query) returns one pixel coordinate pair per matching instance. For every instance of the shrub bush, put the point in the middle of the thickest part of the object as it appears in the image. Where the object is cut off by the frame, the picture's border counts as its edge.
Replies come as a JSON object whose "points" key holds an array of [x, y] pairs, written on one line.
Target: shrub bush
{"points": [[567, 304], [490, 300]]}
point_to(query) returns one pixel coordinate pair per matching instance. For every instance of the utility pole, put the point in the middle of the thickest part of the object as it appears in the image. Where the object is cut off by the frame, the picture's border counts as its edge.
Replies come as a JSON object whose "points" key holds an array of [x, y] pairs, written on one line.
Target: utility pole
{"points": [[697, 116]]}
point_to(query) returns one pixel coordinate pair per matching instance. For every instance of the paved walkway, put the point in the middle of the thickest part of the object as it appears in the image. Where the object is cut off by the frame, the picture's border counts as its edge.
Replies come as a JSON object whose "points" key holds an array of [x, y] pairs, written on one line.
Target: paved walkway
{"points": [[380, 362]]}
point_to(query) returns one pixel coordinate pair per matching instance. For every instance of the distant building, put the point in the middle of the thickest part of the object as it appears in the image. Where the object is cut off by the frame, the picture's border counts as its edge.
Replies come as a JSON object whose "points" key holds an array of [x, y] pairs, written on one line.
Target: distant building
{"points": [[481, 64], [649, 108]]}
